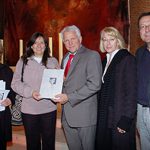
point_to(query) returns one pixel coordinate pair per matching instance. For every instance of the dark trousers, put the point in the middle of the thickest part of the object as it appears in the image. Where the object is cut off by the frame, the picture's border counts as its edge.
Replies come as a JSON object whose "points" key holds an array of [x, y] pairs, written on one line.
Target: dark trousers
{"points": [[104, 140], [2, 132], [2, 142], [40, 131]]}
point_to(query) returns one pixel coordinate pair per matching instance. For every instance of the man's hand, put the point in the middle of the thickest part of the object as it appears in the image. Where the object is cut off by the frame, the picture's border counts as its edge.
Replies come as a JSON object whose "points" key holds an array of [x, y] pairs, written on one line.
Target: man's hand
{"points": [[61, 98]]}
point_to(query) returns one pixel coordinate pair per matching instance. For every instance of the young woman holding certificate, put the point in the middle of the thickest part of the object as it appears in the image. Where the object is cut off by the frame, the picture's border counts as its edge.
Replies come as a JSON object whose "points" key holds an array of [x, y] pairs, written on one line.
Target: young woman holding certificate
{"points": [[39, 115]]}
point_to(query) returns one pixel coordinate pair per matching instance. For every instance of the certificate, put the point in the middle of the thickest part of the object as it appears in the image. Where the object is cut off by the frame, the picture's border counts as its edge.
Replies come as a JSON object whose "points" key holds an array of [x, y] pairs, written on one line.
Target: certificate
{"points": [[3, 96], [52, 82], [2, 85]]}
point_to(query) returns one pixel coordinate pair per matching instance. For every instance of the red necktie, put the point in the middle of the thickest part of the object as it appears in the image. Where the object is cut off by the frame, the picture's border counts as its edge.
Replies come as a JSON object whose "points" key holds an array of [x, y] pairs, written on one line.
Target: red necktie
{"points": [[68, 64]]}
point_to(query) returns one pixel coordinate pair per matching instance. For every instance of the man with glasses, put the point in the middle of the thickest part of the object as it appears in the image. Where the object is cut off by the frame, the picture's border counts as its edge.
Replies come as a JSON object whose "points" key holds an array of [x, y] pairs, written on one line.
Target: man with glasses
{"points": [[143, 69]]}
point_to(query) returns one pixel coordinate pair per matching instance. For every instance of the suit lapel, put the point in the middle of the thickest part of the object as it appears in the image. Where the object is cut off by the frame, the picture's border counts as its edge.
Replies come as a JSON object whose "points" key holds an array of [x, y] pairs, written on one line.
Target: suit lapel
{"points": [[62, 63]]}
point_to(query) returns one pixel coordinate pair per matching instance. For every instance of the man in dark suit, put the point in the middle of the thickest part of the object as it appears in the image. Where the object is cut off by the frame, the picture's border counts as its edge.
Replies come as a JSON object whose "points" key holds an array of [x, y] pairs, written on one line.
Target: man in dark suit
{"points": [[79, 98]]}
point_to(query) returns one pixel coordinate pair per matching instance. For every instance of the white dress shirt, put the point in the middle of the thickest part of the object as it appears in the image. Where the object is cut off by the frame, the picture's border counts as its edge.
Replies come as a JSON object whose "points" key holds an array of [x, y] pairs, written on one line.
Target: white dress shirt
{"points": [[109, 56]]}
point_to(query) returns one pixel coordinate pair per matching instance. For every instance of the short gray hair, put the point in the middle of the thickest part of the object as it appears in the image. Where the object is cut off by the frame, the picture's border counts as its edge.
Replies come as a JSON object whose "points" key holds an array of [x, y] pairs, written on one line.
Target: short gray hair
{"points": [[70, 28]]}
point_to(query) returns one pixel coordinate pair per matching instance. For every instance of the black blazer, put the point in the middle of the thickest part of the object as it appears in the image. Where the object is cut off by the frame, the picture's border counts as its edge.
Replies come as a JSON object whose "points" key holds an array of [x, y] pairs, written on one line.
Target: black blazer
{"points": [[6, 74], [117, 102]]}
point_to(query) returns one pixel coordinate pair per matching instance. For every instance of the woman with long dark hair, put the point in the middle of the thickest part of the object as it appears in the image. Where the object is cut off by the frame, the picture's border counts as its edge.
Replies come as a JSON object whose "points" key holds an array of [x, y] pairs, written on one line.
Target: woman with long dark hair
{"points": [[39, 115]]}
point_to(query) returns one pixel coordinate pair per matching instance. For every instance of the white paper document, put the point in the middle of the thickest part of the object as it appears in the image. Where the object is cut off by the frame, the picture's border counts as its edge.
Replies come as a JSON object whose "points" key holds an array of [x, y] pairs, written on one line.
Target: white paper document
{"points": [[2, 85], [3, 95], [52, 82]]}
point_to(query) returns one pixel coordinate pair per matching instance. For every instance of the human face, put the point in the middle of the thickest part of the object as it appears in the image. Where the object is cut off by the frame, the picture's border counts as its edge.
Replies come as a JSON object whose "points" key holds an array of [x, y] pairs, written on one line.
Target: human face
{"points": [[72, 41], [38, 47], [144, 26], [110, 43]]}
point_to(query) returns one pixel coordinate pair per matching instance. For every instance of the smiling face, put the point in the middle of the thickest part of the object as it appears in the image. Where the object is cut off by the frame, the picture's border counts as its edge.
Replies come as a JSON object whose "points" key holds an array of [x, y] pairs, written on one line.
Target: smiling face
{"points": [[72, 41], [38, 47], [110, 43], [144, 26]]}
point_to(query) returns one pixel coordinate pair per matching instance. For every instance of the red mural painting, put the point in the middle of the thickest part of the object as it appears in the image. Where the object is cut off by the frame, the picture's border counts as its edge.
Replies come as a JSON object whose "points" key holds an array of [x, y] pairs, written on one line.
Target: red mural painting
{"points": [[23, 17]]}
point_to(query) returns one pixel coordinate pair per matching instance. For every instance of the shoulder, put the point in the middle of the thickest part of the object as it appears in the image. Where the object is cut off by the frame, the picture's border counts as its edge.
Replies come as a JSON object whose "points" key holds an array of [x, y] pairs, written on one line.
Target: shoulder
{"points": [[19, 64], [125, 53], [90, 53], [130, 60], [6, 72], [124, 56], [5, 68], [121, 54], [20, 61], [140, 50]]}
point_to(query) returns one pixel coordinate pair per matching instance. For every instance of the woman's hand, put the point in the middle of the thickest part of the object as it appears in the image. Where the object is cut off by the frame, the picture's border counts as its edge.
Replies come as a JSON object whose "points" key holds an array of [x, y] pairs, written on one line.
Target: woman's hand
{"points": [[121, 130], [5, 102], [36, 95]]}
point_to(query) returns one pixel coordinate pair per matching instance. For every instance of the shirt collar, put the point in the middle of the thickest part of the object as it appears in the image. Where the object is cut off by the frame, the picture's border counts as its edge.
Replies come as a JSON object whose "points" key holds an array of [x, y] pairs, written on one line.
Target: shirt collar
{"points": [[111, 55]]}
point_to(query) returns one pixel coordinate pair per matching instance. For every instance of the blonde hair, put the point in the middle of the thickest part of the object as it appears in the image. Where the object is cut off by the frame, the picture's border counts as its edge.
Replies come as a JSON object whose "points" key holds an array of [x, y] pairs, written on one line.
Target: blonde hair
{"points": [[114, 33]]}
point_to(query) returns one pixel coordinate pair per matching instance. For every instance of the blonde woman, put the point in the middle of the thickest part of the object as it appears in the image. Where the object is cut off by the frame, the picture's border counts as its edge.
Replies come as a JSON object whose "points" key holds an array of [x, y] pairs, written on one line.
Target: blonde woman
{"points": [[117, 97]]}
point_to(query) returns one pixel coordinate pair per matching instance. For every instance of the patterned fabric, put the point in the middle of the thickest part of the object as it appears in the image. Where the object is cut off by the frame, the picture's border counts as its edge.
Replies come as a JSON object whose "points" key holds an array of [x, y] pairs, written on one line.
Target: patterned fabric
{"points": [[16, 108], [16, 111]]}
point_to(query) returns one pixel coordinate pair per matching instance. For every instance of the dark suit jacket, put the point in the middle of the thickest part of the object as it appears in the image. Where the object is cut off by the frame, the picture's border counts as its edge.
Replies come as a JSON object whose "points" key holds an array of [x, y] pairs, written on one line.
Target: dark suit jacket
{"points": [[6, 74], [81, 85]]}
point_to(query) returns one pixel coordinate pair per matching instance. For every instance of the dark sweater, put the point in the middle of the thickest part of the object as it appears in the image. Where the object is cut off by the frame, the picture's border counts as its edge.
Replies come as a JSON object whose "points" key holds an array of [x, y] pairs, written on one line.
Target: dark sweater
{"points": [[143, 74]]}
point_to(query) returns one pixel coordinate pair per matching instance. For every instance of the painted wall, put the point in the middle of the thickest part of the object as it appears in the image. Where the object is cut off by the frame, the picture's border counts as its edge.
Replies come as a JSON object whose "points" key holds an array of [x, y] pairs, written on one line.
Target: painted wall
{"points": [[23, 17]]}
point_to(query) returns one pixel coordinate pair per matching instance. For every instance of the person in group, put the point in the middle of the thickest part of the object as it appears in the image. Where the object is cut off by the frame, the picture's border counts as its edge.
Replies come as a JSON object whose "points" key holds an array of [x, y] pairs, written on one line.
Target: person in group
{"points": [[6, 75], [116, 122], [79, 97], [39, 115], [143, 63]]}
